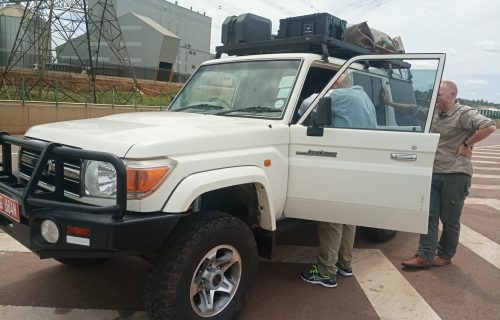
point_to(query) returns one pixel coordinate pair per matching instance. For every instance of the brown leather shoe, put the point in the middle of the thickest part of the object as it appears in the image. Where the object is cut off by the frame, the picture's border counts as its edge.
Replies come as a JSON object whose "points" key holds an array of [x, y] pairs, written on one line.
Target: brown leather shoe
{"points": [[416, 262], [439, 261]]}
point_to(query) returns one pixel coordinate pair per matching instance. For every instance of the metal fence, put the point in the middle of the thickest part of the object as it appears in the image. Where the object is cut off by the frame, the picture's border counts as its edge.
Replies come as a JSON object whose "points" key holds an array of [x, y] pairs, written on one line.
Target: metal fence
{"points": [[492, 114]]}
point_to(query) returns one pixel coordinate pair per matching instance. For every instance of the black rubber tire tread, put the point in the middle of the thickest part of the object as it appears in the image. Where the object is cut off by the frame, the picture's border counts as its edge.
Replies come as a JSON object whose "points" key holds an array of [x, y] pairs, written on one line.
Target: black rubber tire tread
{"points": [[378, 235], [79, 262], [196, 235]]}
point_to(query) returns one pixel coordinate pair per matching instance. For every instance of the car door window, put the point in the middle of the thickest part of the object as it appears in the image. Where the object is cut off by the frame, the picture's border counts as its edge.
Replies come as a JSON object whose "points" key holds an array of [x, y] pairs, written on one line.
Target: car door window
{"points": [[396, 92]]}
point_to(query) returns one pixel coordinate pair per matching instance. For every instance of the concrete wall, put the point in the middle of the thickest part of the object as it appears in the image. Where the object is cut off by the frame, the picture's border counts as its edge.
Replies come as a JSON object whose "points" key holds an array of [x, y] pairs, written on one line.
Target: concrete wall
{"points": [[16, 118]]}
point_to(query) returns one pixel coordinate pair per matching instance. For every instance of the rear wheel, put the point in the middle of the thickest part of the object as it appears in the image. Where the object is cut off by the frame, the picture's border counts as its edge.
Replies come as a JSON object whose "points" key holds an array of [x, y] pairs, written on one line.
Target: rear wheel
{"points": [[378, 235], [206, 272]]}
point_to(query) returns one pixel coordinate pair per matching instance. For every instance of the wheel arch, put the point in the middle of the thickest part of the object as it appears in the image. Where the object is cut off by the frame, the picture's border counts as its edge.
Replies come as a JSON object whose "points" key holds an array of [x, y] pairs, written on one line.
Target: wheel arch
{"points": [[226, 190]]}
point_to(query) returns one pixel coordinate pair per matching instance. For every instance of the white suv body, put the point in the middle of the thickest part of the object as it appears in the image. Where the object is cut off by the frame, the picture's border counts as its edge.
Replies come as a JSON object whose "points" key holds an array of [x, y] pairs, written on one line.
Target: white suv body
{"points": [[233, 142]]}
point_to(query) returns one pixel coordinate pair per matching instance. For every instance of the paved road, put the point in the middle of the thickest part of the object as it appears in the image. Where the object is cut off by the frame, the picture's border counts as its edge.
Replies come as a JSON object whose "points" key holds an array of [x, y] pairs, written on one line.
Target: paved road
{"points": [[468, 289]]}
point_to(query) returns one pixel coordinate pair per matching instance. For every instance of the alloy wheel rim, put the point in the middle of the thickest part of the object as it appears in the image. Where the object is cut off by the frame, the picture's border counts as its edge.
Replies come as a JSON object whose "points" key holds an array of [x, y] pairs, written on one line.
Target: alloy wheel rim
{"points": [[215, 281]]}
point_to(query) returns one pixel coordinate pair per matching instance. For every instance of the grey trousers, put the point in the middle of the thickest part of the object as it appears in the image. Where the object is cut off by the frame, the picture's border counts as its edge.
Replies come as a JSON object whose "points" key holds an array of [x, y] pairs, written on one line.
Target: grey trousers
{"points": [[448, 193], [335, 244]]}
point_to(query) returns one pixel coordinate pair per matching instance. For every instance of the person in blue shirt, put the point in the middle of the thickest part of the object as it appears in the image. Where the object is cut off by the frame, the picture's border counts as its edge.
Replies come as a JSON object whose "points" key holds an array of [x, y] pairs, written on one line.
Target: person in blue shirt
{"points": [[352, 108]]}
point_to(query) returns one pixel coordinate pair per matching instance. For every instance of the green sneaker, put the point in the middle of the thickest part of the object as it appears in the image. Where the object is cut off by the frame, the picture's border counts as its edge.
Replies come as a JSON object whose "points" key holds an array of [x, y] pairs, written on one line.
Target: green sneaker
{"points": [[312, 275]]}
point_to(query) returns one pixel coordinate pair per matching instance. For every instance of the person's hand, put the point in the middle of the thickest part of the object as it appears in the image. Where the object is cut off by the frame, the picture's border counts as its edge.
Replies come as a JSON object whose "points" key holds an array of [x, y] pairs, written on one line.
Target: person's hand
{"points": [[384, 96], [465, 151]]}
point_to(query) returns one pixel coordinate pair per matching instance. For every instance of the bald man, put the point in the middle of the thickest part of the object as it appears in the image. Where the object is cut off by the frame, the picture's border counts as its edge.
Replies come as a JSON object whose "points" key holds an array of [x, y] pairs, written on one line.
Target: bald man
{"points": [[460, 127], [351, 106]]}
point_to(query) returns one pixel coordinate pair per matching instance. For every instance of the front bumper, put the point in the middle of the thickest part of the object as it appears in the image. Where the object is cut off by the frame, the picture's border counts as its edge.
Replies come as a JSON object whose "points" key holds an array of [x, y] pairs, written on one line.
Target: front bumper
{"points": [[111, 230], [135, 234]]}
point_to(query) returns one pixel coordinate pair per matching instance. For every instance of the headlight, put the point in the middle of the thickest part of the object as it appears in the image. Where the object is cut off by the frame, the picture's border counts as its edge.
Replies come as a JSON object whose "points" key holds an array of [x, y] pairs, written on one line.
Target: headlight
{"points": [[143, 177], [99, 179]]}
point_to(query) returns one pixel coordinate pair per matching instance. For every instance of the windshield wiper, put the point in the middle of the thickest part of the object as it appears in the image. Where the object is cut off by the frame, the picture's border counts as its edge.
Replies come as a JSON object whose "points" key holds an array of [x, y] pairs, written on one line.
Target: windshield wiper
{"points": [[256, 109], [203, 106]]}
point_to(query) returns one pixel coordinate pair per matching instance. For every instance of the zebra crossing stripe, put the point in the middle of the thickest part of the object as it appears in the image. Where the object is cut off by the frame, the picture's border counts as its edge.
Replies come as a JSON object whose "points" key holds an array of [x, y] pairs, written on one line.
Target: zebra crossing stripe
{"points": [[480, 245], [489, 162], [390, 294], [36, 313], [487, 176], [485, 187], [494, 203], [484, 157], [7, 243], [486, 148], [486, 153], [486, 168]]}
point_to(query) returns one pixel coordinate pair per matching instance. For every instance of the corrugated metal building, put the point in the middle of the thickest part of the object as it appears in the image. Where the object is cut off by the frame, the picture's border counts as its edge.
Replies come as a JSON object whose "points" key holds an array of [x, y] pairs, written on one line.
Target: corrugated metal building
{"points": [[193, 29], [160, 37], [152, 50], [10, 20]]}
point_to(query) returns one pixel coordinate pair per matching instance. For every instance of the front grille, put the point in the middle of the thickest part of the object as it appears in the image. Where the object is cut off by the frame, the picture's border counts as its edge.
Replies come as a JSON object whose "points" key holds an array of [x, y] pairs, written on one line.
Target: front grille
{"points": [[72, 169]]}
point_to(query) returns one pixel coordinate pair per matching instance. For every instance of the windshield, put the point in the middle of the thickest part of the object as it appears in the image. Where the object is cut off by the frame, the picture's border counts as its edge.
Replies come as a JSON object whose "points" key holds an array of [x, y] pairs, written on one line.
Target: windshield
{"points": [[248, 89]]}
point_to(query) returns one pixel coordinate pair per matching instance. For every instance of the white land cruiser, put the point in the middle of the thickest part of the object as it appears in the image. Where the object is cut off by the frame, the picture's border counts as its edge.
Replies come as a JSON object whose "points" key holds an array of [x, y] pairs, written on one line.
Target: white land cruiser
{"points": [[201, 188]]}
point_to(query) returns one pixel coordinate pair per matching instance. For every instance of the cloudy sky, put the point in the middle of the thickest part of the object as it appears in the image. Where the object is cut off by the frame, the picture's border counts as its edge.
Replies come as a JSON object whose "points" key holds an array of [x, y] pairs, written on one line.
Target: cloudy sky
{"points": [[467, 31]]}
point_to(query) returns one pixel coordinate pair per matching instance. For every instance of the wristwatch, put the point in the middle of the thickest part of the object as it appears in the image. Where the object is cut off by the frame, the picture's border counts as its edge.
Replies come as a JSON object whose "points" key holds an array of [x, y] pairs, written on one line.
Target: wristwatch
{"points": [[465, 144]]}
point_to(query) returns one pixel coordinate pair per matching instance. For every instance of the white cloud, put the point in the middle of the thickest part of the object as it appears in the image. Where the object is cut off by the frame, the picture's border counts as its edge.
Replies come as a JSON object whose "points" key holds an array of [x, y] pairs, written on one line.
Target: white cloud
{"points": [[488, 45], [463, 30], [475, 81]]}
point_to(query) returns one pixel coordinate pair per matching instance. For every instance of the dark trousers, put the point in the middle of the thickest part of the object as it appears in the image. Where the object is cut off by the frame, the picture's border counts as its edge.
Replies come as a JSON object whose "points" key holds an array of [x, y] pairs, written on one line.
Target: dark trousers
{"points": [[448, 193]]}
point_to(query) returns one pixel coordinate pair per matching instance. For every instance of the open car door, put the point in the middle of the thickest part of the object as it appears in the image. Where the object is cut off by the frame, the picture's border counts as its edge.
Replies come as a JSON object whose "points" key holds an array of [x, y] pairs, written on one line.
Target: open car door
{"points": [[378, 176]]}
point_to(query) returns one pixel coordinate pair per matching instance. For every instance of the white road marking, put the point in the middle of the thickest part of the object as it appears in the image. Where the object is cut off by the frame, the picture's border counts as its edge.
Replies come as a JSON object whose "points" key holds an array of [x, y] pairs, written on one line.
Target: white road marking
{"points": [[494, 203], [484, 157], [485, 187], [489, 162], [489, 153], [390, 294], [7, 243], [487, 148], [487, 168], [487, 176], [36, 313], [480, 245]]}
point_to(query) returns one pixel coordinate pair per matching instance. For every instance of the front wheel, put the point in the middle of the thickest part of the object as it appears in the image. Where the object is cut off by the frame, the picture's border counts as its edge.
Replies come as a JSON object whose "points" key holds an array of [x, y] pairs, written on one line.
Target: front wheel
{"points": [[206, 271]]}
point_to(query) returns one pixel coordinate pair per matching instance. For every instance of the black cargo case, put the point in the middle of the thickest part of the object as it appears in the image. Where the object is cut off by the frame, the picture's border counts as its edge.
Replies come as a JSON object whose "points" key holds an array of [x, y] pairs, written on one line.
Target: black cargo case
{"points": [[321, 24]]}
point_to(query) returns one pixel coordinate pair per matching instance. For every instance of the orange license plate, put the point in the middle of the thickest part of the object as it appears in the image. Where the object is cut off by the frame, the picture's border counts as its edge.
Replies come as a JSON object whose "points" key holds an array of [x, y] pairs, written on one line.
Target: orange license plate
{"points": [[10, 208]]}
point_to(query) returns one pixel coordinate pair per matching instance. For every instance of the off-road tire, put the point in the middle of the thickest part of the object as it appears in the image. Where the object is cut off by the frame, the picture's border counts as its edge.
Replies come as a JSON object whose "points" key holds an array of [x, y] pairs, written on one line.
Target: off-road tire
{"points": [[378, 235], [167, 287]]}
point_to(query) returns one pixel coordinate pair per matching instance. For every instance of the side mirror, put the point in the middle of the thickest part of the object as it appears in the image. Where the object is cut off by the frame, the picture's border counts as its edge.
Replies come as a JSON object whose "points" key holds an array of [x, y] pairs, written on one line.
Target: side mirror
{"points": [[320, 117]]}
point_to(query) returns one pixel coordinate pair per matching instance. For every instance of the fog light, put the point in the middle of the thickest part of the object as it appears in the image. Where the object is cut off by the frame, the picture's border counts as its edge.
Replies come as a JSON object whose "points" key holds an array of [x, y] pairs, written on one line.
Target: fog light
{"points": [[49, 231]]}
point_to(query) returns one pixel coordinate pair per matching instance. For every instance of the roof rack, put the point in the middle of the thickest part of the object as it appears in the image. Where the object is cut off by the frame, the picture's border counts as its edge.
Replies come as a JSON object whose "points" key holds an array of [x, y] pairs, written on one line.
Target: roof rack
{"points": [[320, 44]]}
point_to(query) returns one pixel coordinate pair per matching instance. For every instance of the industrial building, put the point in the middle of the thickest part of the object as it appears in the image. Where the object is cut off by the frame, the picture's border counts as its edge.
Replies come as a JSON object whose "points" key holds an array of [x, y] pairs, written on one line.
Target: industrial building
{"points": [[151, 48], [164, 41], [10, 19], [192, 27]]}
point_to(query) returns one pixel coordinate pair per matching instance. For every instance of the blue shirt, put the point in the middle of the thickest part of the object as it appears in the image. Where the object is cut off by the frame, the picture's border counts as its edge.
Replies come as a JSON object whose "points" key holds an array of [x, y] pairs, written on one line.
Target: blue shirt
{"points": [[352, 108]]}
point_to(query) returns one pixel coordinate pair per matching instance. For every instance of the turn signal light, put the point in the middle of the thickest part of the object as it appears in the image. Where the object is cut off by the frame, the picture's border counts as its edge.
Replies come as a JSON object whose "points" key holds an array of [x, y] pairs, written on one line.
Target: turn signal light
{"points": [[78, 231], [143, 180]]}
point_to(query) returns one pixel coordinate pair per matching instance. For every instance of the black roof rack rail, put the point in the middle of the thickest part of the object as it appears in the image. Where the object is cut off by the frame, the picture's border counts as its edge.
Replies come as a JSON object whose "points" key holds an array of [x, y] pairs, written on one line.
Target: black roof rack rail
{"points": [[319, 44]]}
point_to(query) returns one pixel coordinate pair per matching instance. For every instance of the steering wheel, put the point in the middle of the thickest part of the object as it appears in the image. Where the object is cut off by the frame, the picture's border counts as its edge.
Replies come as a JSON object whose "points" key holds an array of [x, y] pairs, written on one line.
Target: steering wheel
{"points": [[223, 103]]}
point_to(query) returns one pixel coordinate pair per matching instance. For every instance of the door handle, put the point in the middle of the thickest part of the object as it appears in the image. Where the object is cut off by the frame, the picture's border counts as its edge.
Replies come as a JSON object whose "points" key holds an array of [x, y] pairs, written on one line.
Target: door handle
{"points": [[404, 156]]}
